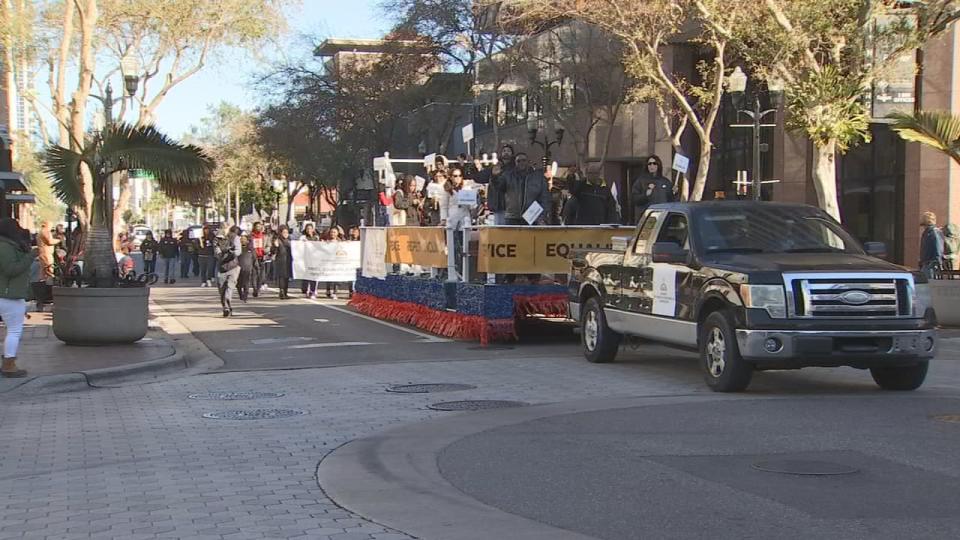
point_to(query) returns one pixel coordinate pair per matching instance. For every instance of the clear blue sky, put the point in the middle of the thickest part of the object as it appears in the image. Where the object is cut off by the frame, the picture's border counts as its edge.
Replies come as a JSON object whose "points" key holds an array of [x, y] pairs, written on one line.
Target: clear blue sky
{"points": [[227, 78]]}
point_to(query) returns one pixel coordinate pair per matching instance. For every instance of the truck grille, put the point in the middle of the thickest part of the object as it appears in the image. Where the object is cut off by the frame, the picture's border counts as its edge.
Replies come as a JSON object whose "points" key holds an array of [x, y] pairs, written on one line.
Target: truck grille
{"points": [[849, 296]]}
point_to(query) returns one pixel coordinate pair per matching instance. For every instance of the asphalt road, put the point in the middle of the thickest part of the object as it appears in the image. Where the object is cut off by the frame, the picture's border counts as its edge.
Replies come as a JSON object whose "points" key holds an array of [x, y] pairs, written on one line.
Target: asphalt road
{"points": [[269, 333], [691, 470]]}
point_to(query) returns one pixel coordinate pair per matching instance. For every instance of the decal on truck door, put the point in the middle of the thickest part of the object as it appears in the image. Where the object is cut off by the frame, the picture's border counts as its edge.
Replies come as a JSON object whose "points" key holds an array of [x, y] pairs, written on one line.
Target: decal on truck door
{"points": [[664, 289]]}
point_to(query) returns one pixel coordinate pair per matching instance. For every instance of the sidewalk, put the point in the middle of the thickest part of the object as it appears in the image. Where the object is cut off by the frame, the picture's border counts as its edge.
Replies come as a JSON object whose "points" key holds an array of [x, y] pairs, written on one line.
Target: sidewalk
{"points": [[53, 366]]}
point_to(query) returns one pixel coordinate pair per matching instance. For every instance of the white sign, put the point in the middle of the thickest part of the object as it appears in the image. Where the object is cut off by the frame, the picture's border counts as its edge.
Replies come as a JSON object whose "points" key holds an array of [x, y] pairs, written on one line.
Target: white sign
{"points": [[381, 164], [532, 213], [429, 161], [374, 253], [325, 261], [664, 289], [467, 197], [420, 181], [434, 190], [467, 133], [681, 163]]}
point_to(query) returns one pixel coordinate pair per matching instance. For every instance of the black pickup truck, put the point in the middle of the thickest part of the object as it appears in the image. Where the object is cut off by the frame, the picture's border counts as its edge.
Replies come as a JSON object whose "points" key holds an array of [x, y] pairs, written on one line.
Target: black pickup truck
{"points": [[755, 286]]}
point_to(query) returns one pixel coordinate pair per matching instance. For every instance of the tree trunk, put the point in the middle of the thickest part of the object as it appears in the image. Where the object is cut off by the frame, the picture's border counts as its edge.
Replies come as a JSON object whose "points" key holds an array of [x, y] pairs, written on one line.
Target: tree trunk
{"points": [[123, 200], [703, 167], [825, 177]]}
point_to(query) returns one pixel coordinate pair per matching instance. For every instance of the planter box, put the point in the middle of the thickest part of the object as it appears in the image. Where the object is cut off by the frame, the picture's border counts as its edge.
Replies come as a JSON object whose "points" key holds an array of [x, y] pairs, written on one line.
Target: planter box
{"points": [[94, 316], [946, 301]]}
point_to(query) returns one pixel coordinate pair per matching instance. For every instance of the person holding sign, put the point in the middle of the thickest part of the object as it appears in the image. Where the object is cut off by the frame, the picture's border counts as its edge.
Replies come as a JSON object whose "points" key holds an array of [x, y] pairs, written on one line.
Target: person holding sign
{"points": [[455, 209], [526, 194], [650, 188], [433, 192]]}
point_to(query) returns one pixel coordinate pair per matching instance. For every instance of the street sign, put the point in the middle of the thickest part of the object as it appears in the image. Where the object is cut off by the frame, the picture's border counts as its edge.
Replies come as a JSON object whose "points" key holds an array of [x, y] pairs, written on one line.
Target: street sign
{"points": [[680, 163]]}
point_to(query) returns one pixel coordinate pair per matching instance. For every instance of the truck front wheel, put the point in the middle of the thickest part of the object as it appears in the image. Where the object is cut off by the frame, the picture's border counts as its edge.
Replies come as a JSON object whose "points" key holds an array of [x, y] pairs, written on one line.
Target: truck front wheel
{"points": [[900, 377], [724, 370], [600, 343]]}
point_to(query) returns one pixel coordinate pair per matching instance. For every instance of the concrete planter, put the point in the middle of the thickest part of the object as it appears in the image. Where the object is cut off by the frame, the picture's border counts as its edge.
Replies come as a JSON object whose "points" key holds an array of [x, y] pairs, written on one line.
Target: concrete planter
{"points": [[95, 316], [946, 300]]}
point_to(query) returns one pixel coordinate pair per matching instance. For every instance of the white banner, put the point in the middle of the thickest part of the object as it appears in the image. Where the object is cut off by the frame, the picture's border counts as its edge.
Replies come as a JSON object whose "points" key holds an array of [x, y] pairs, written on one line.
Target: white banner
{"points": [[374, 253], [325, 261]]}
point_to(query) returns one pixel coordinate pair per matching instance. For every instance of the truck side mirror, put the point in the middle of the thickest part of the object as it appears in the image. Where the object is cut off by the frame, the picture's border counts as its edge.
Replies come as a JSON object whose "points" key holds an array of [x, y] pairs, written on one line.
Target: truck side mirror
{"points": [[669, 252], [875, 249]]}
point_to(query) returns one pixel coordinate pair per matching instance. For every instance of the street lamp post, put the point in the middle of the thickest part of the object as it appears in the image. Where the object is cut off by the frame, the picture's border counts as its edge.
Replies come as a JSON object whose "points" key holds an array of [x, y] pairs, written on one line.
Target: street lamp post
{"points": [[536, 124], [278, 186], [736, 86]]}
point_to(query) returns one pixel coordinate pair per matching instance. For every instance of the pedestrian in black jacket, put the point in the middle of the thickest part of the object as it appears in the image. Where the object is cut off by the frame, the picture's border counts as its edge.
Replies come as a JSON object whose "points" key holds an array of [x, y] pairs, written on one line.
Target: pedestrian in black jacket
{"points": [[247, 260], [594, 204], [522, 187], [169, 254], [490, 176], [283, 261], [651, 187]]}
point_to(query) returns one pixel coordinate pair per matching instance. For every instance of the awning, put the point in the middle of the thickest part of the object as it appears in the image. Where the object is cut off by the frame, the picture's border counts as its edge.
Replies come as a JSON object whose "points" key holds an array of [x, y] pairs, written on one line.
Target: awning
{"points": [[23, 198], [12, 181]]}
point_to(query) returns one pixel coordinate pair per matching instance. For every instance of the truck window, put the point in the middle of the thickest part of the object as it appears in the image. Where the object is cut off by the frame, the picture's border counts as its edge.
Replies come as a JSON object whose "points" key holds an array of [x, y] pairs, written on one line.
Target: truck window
{"points": [[675, 230], [645, 236]]}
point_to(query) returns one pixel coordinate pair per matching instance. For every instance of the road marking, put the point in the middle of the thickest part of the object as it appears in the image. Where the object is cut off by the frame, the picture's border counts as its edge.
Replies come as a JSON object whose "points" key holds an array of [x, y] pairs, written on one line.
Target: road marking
{"points": [[306, 346], [270, 341], [428, 337], [321, 320]]}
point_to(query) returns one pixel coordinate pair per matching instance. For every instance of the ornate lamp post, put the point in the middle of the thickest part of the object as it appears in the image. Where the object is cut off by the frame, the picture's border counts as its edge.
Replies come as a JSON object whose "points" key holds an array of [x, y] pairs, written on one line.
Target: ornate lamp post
{"points": [[736, 87], [536, 124]]}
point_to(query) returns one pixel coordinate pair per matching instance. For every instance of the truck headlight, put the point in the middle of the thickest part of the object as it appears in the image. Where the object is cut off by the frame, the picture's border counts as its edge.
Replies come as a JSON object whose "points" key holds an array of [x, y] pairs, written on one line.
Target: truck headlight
{"points": [[921, 299], [768, 297]]}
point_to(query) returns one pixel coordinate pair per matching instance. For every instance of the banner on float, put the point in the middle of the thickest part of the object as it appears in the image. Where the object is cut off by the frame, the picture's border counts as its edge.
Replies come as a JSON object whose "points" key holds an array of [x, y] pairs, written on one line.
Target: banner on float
{"points": [[423, 246], [537, 250], [325, 261], [374, 253]]}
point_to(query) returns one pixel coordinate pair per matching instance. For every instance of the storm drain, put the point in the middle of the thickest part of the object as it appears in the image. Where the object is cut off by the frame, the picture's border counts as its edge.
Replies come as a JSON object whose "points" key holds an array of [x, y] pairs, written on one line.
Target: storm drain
{"points": [[254, 414], [475, 405], [428, 388], [233, 396], [952, 418], [804, 467]]}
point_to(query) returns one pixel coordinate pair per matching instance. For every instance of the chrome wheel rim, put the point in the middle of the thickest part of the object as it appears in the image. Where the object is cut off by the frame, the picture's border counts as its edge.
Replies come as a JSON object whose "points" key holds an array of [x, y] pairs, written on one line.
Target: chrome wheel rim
{"points": [[716, 349], [591, 329]]}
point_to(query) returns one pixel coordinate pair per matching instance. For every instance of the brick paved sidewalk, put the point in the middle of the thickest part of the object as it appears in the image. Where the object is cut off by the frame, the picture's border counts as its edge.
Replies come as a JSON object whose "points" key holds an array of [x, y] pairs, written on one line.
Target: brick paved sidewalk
{"points": [[42, 354]]}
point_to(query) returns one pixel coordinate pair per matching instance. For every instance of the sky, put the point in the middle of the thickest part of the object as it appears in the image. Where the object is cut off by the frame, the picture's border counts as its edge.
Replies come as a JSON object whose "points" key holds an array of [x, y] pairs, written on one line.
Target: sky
{"points": [[227, 78]]}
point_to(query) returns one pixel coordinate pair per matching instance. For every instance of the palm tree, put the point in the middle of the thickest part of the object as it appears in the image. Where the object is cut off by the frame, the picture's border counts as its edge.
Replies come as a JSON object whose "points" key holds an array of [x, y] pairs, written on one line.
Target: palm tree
{"points": [[937, 129], [182, 173]]}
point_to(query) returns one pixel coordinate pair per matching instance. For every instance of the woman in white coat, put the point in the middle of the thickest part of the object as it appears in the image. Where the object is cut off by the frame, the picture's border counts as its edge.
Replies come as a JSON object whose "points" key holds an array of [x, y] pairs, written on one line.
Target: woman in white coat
{"points": [[452, 214]]}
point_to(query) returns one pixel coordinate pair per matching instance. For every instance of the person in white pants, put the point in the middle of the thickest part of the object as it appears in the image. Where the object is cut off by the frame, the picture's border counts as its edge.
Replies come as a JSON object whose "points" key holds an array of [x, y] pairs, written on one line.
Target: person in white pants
{"points": [[16, 257]]}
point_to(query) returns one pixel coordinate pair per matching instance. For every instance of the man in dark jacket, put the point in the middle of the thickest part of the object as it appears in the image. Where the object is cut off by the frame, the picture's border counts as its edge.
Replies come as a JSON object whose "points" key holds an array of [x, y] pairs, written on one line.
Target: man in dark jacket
{"points": [[491, 175], [651, 187], [521, 188], [594, 202], [931, 246], [169, 253]]}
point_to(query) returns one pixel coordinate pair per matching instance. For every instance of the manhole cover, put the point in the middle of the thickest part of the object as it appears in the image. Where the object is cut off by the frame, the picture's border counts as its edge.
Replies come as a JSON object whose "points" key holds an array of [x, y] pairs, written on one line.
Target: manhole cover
{"points": [[952, 418], [475, 405], [428, 388], [804, 467], [231, 396], [254, 414]]}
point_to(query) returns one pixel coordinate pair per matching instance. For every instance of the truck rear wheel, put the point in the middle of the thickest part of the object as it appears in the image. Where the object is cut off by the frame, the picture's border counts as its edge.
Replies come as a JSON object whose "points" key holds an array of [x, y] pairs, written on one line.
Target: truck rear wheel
{"points": [[600, 343], [900, 377], [724, 370]]}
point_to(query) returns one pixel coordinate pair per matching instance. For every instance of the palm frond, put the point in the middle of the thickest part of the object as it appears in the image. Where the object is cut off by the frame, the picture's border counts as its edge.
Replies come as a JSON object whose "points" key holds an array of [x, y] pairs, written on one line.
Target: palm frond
{"points": [[937, 129], [62, 165], [182, 171]]}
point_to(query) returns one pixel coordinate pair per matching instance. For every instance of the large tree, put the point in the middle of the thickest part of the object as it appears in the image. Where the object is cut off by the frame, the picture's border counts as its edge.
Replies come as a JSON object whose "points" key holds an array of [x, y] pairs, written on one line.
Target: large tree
{"points": [[461, 33], [82, 42], [647, 29], [829, 54]]}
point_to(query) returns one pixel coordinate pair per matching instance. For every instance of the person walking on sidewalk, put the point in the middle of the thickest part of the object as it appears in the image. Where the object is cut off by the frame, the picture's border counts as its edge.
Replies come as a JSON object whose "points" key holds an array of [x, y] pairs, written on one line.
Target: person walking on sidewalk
{"points": [[247, 261], [283, 261], [227, 255], [150, 249], [310, 235], [208, 243], [16, 257], [258, 245], [931, 246], [169, 253], [186, 253]]}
